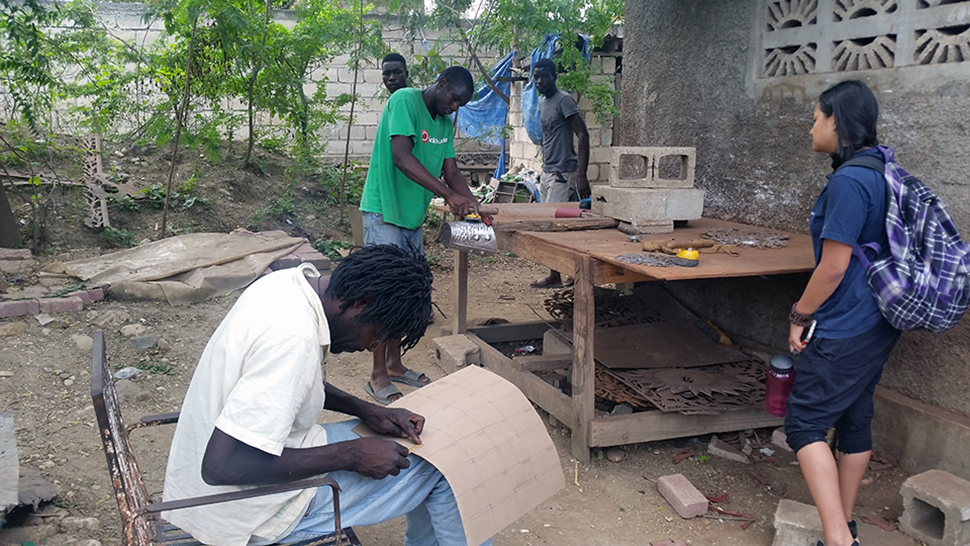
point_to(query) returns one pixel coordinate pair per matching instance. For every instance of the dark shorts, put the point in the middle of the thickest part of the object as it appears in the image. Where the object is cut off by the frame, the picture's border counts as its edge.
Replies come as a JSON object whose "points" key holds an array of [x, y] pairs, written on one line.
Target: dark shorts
{"points": [[835, 381]]}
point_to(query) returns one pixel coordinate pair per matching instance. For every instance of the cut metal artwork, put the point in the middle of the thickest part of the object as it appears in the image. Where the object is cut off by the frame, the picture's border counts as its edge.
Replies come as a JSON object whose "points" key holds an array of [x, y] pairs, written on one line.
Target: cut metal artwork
{"points": [[652, 259], [748, 239], [98, 185], [612, 310], [707, 390], [861, 35]]}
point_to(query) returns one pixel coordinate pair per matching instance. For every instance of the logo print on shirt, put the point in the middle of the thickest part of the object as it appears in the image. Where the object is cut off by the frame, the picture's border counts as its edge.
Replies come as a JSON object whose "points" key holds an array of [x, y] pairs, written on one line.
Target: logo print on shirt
{"points": [[424, 135]]}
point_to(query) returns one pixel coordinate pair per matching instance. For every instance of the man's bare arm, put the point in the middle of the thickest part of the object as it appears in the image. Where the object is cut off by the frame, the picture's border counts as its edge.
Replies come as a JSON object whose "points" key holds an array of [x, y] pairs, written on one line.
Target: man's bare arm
{"points": [[582, 135], [402, 152]]}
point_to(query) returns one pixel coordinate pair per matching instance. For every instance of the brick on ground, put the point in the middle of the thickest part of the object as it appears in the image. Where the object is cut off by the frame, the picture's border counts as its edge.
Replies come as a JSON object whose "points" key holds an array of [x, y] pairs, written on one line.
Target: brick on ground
{"points": [[936, 508], [19, 308], [61, 305], [455, 352], [797, 524], [683, 496]]}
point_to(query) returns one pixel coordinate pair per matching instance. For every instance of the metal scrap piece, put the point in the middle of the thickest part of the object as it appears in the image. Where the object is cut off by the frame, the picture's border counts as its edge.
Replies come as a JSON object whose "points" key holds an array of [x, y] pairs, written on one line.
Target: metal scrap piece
{"points": [[651, 259]]}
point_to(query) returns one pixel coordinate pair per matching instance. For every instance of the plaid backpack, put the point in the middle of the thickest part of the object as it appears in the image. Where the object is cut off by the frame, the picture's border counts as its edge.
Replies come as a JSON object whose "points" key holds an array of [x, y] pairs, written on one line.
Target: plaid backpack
{"points": [[924, 281]]}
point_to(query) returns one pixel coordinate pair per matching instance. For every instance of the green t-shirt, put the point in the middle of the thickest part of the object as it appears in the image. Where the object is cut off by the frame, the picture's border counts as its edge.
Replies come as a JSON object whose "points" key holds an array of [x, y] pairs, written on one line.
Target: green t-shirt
{"points": [[387, 191]]}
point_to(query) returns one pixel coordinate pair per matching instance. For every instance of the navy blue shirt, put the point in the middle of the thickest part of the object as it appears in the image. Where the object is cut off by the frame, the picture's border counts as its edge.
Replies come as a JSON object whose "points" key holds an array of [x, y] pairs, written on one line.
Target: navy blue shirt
{"points": [[851, 209]]}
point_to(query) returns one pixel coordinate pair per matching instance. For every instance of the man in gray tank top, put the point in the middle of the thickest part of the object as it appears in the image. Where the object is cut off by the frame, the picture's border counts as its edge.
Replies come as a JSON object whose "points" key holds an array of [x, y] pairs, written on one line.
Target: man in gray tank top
{"points": [[563, 175]]}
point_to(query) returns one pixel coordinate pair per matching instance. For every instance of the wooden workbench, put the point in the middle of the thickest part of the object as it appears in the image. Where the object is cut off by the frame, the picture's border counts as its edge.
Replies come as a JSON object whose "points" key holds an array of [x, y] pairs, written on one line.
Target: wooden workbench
{"points": [[589, 255]]}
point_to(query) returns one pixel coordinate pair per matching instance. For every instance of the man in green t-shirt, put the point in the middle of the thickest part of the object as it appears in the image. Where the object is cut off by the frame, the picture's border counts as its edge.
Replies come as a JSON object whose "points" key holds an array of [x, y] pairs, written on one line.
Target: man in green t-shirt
{"points": [[412, 150]]}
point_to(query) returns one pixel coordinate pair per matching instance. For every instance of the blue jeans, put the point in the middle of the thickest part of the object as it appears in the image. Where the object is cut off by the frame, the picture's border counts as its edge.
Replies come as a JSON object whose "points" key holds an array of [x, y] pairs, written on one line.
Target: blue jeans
{"points": [[379, 232], [420, 492]]}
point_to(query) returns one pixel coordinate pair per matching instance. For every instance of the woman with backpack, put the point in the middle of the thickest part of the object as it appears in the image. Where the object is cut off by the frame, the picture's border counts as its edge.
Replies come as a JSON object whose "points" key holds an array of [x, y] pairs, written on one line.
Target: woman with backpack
{"points": [[842, 361]]}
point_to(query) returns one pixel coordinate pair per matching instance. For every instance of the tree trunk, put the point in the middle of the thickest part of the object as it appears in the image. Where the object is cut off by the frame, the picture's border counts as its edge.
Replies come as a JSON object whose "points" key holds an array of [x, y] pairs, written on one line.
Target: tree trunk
{"points": [[9, 230]]}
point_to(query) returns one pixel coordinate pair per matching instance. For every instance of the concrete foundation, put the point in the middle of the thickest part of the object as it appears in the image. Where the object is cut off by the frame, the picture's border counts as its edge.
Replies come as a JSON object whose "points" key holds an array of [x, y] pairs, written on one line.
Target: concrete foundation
{"points": [[936, 509], [918, 437], [642, 167], [640, 206]]}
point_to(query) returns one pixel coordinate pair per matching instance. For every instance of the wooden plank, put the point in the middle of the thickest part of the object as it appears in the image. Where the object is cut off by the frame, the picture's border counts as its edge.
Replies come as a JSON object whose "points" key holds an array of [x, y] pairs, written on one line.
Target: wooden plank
{"points": [[543, 363], [543, 394], [650, 426], [605, 245], [460, 324], [583, 377], [553, 257], [554, 224], [501, 333]]}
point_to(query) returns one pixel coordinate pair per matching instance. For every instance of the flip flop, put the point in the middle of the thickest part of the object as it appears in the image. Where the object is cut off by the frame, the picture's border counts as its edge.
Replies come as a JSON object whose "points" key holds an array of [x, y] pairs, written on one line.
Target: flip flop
{"points": [[383, 394], [410, 377]]}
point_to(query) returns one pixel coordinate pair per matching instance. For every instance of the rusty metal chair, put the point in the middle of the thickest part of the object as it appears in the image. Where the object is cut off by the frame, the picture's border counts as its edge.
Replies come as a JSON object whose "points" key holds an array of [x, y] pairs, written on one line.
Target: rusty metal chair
{"points": [[141, 519]]}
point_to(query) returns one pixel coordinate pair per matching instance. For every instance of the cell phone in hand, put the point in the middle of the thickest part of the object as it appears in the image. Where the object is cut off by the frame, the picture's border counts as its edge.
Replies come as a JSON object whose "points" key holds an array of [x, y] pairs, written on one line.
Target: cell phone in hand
{"points": [[809, 331]]}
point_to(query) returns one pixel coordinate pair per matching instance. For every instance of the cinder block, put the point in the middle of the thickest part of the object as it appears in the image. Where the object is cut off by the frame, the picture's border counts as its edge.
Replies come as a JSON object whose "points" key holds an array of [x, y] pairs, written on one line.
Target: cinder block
{"points": [[641, 206], [647, 228], [455, 352], [61, 305], [554, 344], [797, 524], [682, 495], [638, 167], [724, 450], [936, 509], [780, 439]]}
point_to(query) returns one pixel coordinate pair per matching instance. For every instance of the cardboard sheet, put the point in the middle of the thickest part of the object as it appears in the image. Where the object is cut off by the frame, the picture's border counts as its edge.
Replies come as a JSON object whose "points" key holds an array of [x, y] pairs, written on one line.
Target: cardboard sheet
{"points": [[483, 434]]}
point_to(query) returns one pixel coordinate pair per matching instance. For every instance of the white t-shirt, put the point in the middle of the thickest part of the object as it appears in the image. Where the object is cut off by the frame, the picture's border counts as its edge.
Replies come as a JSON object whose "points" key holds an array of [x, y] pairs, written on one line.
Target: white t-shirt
{"points": [[260, 380]]}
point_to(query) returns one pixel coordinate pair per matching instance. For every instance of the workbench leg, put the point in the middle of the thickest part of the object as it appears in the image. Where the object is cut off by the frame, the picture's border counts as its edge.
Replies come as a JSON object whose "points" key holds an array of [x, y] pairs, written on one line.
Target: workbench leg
{"points": [[460, 323], [584, 322]]}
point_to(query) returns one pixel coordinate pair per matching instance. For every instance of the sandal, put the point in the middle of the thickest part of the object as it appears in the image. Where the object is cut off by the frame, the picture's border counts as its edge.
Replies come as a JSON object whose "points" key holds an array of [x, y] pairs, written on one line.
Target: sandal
{"points": [[383, 394], [411, 378]]}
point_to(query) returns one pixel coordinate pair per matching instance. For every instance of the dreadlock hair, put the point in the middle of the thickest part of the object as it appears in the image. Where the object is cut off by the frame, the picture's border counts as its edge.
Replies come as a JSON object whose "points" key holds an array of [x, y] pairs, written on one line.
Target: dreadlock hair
{"points": [[393, 284]]}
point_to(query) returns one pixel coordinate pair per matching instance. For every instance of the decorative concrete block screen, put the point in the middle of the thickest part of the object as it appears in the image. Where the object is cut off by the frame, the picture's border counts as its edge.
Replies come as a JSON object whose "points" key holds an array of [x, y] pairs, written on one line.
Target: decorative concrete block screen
{"points": [[803, 37]]}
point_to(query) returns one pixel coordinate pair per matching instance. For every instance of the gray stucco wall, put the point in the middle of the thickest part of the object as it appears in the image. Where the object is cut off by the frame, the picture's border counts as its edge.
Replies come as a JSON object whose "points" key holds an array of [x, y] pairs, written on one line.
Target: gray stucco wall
{"points": [[690, 80]]}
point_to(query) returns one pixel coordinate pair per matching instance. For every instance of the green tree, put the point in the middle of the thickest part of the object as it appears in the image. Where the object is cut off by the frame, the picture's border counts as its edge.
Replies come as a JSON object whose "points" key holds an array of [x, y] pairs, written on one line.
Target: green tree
{"points": [[25, 72], [522, 25]]}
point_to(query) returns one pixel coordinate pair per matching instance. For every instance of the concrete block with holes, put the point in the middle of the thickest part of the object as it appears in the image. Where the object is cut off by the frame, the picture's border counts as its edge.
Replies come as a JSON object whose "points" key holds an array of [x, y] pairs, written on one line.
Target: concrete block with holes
{"points": [[639, 167], [936, 509], [682, 495]]}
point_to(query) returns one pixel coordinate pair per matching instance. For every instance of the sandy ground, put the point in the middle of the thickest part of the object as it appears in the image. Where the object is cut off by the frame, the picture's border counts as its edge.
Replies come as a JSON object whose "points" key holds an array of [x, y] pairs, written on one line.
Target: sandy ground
{"points": [[604, 502]]}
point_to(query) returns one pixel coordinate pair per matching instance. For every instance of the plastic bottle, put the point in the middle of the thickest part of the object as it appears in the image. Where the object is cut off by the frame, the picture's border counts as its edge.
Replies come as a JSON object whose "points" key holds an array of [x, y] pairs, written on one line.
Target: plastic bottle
{"points": [[781, 375]]}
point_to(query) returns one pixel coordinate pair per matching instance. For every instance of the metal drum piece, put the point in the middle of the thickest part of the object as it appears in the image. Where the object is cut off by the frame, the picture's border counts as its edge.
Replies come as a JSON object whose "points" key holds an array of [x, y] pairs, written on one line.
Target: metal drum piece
{"points": [[469, 236]]}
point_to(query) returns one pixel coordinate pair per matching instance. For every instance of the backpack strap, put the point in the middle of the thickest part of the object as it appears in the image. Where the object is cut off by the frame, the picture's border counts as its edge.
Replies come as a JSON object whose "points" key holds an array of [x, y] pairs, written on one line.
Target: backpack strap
{"points": [[868, 161], [877, 164]]}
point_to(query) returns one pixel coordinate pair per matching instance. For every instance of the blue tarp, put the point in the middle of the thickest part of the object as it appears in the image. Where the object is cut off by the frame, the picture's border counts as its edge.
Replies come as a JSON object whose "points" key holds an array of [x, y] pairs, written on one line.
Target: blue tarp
{"points": [[485, 118]]}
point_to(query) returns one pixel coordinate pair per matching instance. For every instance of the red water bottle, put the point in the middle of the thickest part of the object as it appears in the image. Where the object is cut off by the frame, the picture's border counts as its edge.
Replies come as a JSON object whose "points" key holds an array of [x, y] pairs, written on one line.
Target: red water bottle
{"points": [[781, 375]]}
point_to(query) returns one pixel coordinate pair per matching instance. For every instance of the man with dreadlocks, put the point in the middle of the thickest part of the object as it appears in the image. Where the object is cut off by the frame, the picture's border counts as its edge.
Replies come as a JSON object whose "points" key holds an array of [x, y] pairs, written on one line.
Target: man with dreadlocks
{"points": [[413, 148], [249, 416]]}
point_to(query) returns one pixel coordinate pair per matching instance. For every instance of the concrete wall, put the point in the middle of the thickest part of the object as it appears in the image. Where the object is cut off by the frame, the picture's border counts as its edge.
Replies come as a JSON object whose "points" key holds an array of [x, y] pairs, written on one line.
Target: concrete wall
{"points": [[125, 22], [697, 73], [522, 152]]}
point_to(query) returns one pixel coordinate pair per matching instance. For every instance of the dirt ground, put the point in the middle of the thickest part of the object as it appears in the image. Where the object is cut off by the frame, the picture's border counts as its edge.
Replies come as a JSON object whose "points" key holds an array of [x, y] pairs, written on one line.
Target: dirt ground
{"points": [[603, 503]]}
